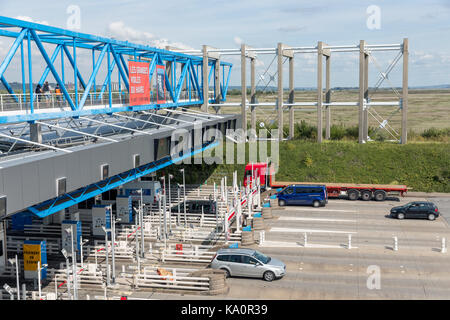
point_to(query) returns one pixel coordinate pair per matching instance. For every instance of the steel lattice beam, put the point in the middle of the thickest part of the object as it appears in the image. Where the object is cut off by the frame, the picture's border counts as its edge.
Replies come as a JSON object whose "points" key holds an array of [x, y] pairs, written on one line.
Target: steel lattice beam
{"points": [[65, 41]]}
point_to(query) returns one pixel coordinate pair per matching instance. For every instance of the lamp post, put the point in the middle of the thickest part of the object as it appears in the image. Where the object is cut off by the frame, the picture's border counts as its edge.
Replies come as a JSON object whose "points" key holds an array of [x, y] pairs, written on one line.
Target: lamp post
{"points": [[113, 239], [170, 204], [66, 256], [107, 255], [16, 262], [83, 242], [141, 222], [39, 268], [178, 200], [74, 264], [184, 197], [165, 222]]}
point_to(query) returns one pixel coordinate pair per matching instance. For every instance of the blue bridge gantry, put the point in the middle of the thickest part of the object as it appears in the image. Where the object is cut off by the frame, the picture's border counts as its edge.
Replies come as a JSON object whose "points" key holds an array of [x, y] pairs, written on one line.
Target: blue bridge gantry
{"points": [[87, 97], [91, 123]]}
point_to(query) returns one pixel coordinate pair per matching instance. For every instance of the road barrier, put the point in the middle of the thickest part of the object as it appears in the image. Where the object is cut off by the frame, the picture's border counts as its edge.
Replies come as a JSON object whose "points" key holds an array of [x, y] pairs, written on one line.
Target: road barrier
{"points": [[192, 255], [51, 229], [395, 244], [171, 278], [16, 246]]}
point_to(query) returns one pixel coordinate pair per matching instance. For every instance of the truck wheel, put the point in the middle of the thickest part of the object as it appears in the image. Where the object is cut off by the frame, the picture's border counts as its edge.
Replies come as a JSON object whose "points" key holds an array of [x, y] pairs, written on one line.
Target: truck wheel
{"points": [[281, 203], [431, 217], [353, 194], [366, 195], [380, 195], [316, 204]]}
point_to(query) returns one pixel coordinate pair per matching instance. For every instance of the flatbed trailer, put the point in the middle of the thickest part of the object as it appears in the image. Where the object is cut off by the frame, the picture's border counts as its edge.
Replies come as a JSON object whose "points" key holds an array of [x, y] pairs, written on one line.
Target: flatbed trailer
{"points": [[354, 191]]}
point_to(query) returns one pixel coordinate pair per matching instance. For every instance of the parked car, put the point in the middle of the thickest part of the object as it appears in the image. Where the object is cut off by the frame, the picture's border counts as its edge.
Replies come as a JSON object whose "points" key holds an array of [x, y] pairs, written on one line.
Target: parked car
{"points": [[248, 263], [195, 206], [297, 194], [416, 210]]}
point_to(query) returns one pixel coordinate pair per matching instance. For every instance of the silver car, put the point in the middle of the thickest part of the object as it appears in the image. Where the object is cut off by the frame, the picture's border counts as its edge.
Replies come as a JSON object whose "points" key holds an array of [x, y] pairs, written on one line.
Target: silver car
{"points": [[248, 263]]}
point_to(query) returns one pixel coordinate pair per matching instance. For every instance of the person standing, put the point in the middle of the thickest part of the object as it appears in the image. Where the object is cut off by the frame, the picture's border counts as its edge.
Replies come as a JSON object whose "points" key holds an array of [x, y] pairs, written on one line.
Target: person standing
{"points": [[38, 92], [46, 90], [58, 93]]}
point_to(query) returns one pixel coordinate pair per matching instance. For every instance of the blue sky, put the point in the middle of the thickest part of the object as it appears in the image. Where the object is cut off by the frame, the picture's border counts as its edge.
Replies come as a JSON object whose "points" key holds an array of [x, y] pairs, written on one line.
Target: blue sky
{"points": [[262, 23]]}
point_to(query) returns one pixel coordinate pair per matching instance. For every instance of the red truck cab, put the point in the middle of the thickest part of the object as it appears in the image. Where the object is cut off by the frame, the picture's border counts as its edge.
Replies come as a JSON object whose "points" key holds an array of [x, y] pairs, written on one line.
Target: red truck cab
{"points": [[254, 170]]}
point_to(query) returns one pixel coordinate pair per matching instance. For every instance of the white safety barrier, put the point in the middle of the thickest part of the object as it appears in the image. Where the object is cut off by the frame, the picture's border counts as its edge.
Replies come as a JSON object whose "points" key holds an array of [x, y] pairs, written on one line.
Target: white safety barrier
{"points": [[349, 241], [174, 281], [16, 246], [443, 246], [262, 237], [395, 244], [193, 255], [52, 229]]}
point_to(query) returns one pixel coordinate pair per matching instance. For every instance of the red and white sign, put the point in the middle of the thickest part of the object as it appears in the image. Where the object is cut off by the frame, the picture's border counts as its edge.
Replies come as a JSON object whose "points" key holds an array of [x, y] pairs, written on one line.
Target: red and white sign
{"points": [[139, 83]]}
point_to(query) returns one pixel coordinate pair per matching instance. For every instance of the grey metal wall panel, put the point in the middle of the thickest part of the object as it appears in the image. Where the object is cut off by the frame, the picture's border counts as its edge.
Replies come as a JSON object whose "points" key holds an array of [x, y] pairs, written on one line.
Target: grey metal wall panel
{"points": [[60, 167], [87, 171], [32, 179], [121, 159], [30, 183], [74, 170], [46, 175], [13, 188], [99, 157]]}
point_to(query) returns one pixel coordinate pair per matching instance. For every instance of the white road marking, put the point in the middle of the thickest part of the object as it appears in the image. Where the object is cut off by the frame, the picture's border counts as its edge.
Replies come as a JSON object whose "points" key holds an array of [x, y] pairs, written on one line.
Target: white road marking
{"points": [[312, 209], [314, 219], [284, 244], [307, 230]]}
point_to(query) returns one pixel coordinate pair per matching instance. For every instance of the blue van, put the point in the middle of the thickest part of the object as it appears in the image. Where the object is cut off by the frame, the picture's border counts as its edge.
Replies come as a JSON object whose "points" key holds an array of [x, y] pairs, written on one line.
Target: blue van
{"points": [[301, 194]]}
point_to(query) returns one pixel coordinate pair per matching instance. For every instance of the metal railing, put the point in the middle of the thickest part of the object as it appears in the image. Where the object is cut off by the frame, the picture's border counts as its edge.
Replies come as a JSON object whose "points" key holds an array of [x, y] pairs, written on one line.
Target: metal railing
{"points": [[45, 101]]}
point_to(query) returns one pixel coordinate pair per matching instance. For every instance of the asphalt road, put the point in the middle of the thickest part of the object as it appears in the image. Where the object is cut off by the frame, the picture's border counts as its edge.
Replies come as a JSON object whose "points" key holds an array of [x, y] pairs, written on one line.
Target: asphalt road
{"points": [[327, 269]]}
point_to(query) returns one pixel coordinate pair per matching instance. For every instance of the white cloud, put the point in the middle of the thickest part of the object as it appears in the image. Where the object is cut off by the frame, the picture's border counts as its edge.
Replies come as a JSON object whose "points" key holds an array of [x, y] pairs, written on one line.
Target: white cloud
{"points": [[29, 19], [120, 31], [238, 40]]}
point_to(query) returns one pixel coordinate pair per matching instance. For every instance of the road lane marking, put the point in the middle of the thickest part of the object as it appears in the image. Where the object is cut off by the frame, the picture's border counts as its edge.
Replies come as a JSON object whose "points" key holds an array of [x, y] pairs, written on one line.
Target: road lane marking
{"points": [[312, 209], [299, 230], [285, 244], [314, 219]]}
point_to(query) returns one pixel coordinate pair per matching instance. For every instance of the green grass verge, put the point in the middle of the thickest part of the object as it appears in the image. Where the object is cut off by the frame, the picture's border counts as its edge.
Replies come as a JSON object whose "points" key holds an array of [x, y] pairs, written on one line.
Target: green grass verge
{"points": [[420, 166]]}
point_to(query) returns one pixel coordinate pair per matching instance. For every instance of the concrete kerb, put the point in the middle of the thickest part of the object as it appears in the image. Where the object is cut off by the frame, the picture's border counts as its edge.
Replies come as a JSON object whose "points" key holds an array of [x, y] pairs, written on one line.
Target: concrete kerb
{"points": [[217, 280]]}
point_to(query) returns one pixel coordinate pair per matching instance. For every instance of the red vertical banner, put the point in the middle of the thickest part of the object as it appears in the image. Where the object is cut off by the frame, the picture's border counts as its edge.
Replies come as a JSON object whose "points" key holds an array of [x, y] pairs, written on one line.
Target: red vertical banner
{"points": [[139, 82], [160, 84]]}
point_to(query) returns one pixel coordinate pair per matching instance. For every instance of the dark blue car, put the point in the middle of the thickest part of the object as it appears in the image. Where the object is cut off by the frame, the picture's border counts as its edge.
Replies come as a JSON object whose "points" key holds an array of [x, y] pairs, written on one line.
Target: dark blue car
{"points": [[299, 194]]}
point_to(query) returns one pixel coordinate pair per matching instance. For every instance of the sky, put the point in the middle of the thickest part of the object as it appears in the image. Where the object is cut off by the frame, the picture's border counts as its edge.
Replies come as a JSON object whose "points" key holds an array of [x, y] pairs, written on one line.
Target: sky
{"points": [[264, 23]]}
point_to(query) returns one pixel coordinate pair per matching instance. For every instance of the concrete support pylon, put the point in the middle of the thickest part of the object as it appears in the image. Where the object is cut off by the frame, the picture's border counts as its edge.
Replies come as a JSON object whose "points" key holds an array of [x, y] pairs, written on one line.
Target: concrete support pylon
{"points": [[280, 90], [243, 87], [404, 138], [361, 138], [319, 91], [327, 98], [291, 98], [253, 92], [366, 98], [35, 132]]}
